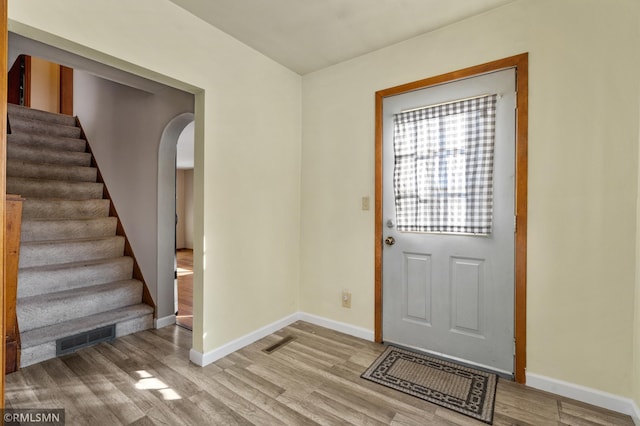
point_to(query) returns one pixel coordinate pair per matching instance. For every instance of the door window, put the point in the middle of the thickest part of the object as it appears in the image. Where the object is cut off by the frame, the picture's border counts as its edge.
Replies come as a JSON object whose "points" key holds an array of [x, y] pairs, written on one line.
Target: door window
{"points": [[443, 175]]}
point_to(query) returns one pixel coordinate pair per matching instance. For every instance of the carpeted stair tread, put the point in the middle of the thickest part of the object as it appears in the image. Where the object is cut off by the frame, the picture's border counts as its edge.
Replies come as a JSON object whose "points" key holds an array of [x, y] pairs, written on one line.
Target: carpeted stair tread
{"points": [[48, 156], [25, 169], [53, 308], [38, 141], [58, 229], [19, 124], [53, 189], [42, 253], [69, 328], [64, 209], [52, 278], [36, 114]]}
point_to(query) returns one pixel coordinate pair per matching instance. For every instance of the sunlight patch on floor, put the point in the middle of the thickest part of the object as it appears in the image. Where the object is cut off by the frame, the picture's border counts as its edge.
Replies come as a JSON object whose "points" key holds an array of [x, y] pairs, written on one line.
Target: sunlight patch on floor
{"points": [[148, 382]]}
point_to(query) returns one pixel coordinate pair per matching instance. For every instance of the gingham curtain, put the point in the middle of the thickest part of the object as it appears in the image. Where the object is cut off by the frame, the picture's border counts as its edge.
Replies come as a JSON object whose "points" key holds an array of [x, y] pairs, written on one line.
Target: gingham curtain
{"points": [[443, 173]]}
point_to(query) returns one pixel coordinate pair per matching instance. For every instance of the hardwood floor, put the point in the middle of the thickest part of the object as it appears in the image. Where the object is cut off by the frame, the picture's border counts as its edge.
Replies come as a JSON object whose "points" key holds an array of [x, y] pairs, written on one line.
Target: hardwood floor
{"points": [[185, 288], [147, 379]]}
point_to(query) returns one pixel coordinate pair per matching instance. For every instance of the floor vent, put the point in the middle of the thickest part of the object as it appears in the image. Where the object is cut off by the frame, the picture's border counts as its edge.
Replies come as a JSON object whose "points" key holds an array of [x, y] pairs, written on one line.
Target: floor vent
{"points": [[279, 344], [82, 340]]}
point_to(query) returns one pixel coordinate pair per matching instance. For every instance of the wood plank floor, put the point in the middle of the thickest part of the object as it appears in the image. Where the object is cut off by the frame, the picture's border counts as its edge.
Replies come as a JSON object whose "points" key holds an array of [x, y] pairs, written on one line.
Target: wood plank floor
{"points": [[184, 259], [146, 379]]}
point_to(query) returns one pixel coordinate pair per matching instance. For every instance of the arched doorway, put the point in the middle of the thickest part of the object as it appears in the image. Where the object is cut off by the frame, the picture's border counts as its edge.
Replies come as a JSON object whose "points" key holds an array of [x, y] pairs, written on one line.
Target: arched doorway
{"points": [[167, 268], [184, 226]]}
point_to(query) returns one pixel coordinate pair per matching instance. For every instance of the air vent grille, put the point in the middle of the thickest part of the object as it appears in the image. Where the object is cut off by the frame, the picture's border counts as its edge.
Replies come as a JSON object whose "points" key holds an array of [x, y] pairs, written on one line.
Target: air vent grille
{"points": [[82, 340], [279, 344]]}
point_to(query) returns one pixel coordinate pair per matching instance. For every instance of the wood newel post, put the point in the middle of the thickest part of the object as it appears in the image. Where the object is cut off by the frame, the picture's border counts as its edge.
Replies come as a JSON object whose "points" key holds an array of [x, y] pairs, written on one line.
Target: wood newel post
{"points": [[12, 254]]}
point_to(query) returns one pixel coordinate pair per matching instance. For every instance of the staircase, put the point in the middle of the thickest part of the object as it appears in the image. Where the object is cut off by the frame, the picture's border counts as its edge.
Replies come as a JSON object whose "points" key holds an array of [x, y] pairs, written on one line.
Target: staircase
{"points": [[73, 276]]}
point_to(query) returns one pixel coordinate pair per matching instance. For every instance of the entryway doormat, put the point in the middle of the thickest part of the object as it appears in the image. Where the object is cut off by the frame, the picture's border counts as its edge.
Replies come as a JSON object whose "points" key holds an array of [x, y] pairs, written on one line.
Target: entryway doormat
{"points": [[459, 388]]}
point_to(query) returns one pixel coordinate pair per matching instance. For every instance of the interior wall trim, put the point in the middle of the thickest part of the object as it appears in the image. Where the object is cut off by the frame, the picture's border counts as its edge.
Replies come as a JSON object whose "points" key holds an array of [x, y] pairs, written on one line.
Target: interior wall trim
{"points": [[206, 358], [585, 394], [203, 359], [164, 321]]}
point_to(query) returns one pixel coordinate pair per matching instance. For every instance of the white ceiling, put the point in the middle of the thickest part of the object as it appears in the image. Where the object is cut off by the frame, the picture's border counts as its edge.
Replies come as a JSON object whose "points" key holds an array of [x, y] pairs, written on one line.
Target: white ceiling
{"points": [[308, 35]]}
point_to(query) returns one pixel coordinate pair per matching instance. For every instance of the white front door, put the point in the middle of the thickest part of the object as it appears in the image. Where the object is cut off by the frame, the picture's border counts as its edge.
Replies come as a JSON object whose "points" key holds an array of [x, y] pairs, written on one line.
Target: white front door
{"points": [[448, 220]]}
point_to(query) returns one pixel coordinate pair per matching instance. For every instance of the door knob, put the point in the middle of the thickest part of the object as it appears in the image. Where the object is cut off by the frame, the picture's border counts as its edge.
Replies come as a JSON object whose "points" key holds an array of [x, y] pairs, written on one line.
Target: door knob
{"points": [[389, 241]]}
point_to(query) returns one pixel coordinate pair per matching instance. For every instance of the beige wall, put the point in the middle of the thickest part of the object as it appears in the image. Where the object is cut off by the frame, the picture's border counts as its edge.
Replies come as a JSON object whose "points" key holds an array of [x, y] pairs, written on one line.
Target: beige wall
{"points": [[583, 163], [184, 208], [636, 322], [45, 85], [124, 126], [247, 147], [188, 208], [180, 209]]}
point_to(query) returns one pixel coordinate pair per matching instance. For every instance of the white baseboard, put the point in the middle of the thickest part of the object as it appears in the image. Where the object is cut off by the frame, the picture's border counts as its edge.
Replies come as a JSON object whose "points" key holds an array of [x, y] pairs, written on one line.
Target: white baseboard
{"points": [[201, 359], [636, 414], [585, 394], [341, 327], [164, 321]]}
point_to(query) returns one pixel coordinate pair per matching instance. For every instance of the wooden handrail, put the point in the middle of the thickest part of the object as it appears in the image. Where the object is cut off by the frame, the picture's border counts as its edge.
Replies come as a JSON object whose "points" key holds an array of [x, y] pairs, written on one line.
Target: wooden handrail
{"points": [[3, 168], [11, 260]]}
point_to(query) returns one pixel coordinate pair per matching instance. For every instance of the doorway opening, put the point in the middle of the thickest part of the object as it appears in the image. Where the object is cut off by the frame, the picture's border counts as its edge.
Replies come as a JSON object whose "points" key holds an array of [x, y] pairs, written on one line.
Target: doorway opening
{"points": [[184, 227], [152, 86], [41, 84]]}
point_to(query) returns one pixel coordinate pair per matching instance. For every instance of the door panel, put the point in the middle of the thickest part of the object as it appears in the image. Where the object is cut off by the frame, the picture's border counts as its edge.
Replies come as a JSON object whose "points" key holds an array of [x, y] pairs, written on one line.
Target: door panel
{"points": [[451, 293], [417, 285], [466, 289]]}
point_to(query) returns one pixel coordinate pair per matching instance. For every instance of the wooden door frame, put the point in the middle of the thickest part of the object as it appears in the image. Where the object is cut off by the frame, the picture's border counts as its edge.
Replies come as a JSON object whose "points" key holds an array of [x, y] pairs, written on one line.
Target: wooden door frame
{"points": [[17, 77], [66, 90], [521, 64], [3, 172]]}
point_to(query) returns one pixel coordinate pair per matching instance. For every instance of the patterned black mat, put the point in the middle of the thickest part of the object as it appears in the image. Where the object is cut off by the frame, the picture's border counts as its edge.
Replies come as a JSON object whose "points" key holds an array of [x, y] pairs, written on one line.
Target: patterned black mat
{"points": [[462, 389]]}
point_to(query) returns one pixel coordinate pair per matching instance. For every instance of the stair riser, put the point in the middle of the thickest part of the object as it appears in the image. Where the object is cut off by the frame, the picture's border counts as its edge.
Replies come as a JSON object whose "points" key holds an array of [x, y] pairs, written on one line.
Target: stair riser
{"points": [[54, 253], [68, 229], [50, 117], [36, 281], [33, 188], [24, 169], [55, 310], [20, 125], [33, 282], [50, 209], [34, 354], [39, 142], [35, 155]]}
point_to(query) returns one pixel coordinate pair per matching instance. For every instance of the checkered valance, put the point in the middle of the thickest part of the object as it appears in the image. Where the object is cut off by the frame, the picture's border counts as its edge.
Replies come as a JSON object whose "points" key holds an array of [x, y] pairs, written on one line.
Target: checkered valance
{"points": [[443, 175]]}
